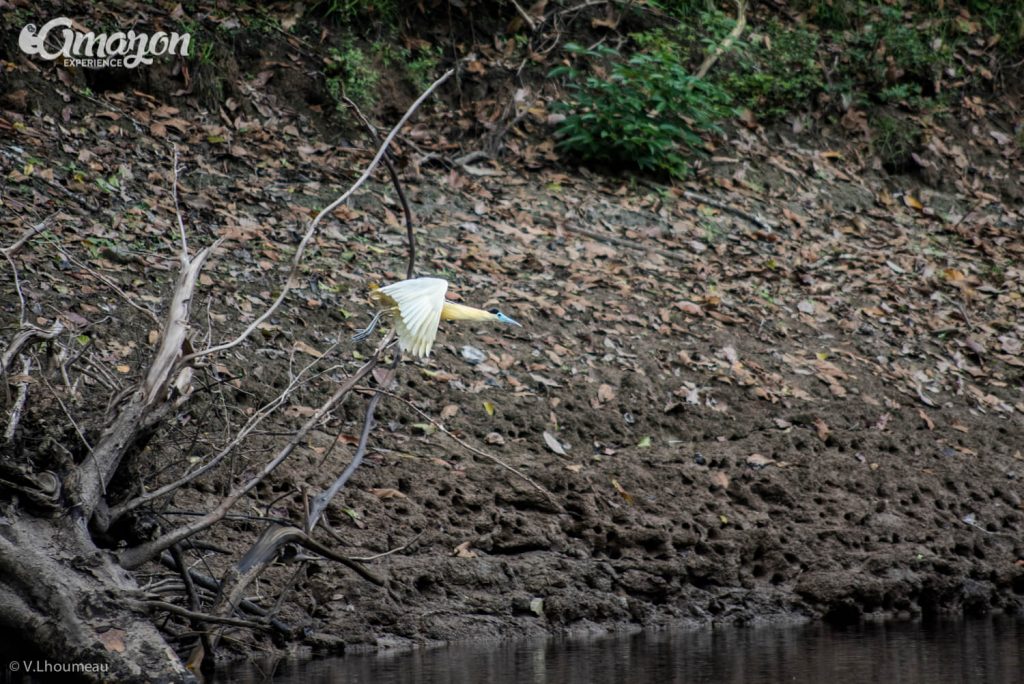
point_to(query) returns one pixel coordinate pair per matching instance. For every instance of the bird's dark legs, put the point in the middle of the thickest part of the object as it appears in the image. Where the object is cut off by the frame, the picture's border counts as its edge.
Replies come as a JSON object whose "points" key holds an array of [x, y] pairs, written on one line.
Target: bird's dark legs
{"points": [[363, 333]]}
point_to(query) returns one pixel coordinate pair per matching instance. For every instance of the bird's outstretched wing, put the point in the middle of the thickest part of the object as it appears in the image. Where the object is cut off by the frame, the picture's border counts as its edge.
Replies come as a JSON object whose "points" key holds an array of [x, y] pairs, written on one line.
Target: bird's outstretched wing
{"points": [[419, 303]]}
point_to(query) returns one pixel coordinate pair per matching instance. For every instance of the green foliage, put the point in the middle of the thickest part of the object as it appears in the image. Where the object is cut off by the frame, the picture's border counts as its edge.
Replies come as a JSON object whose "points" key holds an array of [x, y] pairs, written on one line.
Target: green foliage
{"points": [[424, 68], [1004, 18], [683, 9], [894, 139], [778, 75], [892, 58], [837, 15], [347, 12], [350, 73], [644, 111]]}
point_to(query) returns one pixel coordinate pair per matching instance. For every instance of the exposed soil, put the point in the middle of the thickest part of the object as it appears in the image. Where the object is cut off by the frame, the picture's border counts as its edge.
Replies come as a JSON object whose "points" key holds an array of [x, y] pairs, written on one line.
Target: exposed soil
{"points": [[821, 420]]}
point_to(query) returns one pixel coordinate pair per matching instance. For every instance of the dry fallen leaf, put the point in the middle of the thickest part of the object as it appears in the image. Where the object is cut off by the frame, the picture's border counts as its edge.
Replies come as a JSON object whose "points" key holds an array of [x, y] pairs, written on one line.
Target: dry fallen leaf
{"points": [[463, 550], [113, 640], [387, 493], [553, 443], [912, 202], [622, 492], [301, 346], [821, 427]]}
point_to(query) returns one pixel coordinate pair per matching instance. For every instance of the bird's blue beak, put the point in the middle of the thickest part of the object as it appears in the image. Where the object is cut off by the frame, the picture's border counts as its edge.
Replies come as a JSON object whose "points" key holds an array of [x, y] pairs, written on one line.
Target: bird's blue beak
{"points": [[505, 319]]}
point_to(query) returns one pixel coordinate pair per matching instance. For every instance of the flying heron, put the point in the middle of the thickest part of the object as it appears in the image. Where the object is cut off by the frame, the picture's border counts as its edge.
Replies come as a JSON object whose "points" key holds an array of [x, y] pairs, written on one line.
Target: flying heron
{"points": [[417, 307]]}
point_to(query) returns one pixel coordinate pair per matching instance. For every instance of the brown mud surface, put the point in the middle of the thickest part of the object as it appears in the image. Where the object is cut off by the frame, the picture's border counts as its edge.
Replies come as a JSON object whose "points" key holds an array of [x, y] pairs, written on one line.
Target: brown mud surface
{"points": [[821, 419]]}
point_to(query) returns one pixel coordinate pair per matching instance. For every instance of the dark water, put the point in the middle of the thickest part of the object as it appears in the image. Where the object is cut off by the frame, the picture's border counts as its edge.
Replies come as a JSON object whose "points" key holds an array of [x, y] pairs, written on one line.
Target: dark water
{"points": [[988, 650]]}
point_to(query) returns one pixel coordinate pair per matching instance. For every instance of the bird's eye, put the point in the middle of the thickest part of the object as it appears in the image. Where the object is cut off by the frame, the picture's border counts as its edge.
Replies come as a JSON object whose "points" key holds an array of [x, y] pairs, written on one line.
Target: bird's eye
{"points": [[493, 310]]}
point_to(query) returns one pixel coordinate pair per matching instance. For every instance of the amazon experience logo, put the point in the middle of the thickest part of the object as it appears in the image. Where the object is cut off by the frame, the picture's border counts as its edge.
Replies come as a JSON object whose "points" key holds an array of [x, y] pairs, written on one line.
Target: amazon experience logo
{"points": [[97, 51]]}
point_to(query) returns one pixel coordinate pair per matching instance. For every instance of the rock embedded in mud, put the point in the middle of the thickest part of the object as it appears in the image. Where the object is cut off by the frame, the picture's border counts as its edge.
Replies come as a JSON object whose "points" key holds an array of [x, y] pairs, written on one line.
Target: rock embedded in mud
{"points": [[472, 355]]}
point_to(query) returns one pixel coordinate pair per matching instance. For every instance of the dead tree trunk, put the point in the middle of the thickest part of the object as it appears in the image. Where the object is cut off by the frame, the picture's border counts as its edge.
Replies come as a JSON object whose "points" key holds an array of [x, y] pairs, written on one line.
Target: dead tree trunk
{"points": [[60, 593]]}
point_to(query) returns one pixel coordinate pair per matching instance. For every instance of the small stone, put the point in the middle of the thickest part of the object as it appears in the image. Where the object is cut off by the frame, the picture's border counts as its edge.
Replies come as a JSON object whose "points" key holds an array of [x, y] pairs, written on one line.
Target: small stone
{"points": [[472, 355]]}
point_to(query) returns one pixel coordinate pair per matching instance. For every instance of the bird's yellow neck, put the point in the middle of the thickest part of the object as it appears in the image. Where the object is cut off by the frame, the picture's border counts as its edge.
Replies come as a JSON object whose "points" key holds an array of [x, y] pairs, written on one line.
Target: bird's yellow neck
{"points": [[460, 312]]}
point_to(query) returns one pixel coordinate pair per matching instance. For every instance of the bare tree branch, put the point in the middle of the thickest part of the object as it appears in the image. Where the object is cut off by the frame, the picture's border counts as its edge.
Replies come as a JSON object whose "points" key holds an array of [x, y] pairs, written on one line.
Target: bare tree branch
{"points": [[134, 556], [311, 230], [26, 236]]}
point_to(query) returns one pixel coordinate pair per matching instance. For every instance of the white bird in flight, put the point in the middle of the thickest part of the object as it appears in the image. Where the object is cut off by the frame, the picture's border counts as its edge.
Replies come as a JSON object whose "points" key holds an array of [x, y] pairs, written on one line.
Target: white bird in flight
{"points": [[418, 306]]}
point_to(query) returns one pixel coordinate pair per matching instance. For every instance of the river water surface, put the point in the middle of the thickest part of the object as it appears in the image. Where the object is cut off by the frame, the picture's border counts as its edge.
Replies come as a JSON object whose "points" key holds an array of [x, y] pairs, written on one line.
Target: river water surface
{"points": [[982, 650]]}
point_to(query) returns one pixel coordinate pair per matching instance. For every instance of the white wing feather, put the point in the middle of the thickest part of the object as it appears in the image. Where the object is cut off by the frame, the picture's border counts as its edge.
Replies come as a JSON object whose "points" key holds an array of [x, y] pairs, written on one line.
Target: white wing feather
{"points": [[419, 303]]}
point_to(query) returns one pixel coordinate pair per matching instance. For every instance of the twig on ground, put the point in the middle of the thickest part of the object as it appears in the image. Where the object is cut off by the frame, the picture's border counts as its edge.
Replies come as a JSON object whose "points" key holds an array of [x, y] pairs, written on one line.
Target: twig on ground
{"points": [[27, 335], [204, 617], [26, 236], [17, 289], [760, 222], [111, 284], [469, 447], [629, 244], [397, 549], [254, 421]]}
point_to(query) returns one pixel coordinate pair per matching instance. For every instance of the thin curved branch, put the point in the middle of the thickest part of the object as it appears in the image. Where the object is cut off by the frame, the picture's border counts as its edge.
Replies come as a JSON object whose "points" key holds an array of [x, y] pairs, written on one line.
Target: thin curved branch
{"points": [[311, 230], [734, 35], [137, 555]]}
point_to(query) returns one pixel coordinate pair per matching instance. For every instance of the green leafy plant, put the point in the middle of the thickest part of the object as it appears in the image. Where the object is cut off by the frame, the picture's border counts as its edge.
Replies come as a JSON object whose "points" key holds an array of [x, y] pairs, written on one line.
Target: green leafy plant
{"points": [[1004, 18], [832, 14], [888, 51], [644, 111], [424, 68], [350, 73], [779, 74]]}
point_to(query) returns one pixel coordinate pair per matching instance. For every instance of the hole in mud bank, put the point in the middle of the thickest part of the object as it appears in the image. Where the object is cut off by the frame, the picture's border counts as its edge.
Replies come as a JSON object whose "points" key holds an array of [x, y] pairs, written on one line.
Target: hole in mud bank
{"points": [[652, 544], [758, 571], [846, 613], [777, 579], [423, 583]]}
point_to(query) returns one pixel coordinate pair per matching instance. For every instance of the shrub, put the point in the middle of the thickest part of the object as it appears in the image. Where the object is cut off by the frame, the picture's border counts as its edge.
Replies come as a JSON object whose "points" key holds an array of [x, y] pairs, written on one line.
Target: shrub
{"points": [[779, 75], [646, 112], [350, 73]]}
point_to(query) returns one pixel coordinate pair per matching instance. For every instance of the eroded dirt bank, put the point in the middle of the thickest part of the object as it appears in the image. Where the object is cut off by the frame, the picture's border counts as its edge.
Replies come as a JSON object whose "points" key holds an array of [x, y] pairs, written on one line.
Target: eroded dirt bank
{"points": [[820, 414]]}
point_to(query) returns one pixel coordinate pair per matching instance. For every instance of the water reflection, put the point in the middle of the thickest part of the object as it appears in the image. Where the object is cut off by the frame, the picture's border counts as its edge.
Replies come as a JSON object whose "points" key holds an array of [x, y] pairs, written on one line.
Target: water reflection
{"points": [[987, 650]]}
